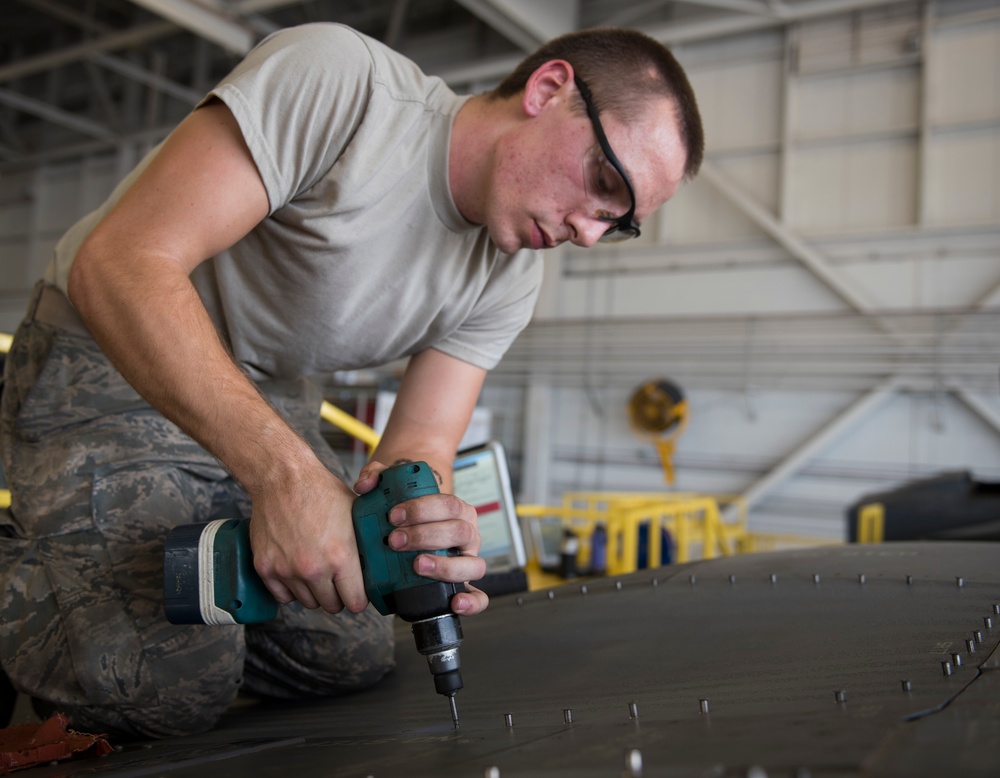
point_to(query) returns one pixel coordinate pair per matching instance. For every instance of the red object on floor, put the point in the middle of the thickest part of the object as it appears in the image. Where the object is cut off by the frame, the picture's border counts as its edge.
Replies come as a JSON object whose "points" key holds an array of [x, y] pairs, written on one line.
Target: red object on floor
{"points": [[27, 745]]}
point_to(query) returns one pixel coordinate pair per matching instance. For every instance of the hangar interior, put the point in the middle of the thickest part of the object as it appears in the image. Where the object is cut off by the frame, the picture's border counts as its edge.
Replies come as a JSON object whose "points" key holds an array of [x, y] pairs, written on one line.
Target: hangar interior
{"points": [[826, 292]]}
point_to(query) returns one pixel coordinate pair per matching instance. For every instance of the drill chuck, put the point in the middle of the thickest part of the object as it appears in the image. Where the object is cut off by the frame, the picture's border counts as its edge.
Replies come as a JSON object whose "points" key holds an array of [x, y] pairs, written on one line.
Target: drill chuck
{"points": [[438, 639]]}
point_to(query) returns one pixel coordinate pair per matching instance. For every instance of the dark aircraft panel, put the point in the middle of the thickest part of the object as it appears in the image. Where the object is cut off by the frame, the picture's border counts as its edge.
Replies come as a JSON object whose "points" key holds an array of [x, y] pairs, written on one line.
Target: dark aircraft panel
{"points": [[842, 661]]}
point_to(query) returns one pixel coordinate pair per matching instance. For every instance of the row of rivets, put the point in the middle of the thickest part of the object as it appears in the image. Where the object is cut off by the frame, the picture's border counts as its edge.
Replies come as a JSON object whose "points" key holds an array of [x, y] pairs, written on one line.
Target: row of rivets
{"points": [[987, 621]]}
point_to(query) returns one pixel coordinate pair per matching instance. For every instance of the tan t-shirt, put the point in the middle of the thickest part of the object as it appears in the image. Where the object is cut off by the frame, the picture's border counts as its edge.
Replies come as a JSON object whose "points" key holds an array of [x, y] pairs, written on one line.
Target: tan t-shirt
{"points": [[364, 257]]}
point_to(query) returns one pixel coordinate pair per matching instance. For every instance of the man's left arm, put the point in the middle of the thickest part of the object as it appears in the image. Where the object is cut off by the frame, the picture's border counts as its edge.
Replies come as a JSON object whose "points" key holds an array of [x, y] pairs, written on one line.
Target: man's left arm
{"points": [[431, 413]]}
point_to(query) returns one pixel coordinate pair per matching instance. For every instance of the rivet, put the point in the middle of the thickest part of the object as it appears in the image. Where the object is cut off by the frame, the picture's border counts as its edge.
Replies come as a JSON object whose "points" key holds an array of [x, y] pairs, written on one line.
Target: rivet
{"points": [[996, 608], [633, 710], [703, 705], [520, 601], [956, 659], [732, 579], [568, 715], [978, 636], [970, 646], [508, 720], [959, 582], [656, 582], [692, 579], [492, 772], [633, 762], [840, 696], [815, 577], [756, 771], [774, 578], [583, 589], [907, 686], [987, 622], [909, 580], [861, 578], [946, 668], [618, 585], [552, 594]]}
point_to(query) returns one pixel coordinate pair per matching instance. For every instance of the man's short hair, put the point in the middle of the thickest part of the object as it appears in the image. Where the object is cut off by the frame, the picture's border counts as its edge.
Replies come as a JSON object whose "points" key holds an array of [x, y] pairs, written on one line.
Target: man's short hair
{"points": [[623, 68]]}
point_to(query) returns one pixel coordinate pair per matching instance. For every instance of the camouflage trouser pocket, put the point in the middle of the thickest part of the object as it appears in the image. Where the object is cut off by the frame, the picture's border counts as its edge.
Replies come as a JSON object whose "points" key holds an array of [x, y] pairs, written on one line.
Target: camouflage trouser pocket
{"points": [[82, 612]]}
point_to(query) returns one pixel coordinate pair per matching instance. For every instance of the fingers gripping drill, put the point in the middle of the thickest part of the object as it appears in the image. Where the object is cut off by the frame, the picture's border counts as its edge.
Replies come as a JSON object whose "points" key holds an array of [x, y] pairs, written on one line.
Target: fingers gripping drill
{"points": [[209, 578]]}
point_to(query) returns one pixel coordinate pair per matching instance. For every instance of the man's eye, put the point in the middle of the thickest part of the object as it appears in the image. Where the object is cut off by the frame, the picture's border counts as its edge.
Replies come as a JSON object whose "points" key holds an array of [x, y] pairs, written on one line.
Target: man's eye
{"points": [[604, 176]]}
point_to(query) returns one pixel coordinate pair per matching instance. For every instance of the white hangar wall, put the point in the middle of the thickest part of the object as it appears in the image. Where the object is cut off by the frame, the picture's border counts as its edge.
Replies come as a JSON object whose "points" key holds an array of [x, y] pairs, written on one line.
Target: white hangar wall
{"points": [[825, 291]]}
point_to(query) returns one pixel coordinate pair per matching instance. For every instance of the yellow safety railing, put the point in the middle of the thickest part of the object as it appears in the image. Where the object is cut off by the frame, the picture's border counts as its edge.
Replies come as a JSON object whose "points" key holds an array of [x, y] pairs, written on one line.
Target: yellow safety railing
{"points": [[694, 522], [871, 523], [349, 424]]}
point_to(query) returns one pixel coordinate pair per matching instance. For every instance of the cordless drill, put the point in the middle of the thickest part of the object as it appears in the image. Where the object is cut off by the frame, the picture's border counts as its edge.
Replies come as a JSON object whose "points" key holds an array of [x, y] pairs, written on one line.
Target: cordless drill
{"points": [[209, 577]]}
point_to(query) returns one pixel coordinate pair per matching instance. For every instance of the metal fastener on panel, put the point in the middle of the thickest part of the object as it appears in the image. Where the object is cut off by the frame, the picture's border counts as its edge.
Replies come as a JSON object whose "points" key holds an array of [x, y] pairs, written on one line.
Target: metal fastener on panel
{"points": [[656, 582], [583, 589], [492, 772], [732, 579], [956, 659], [774, 578], [946, 668], [692, 579], [907, 686], [520, 601], [909, 580], [959, 582], [987, 622], [568, 715], [633, 710], [977, 636], [703, 706], [861, 577], [552, 594], [970, 646], [815, 577], [996, 608], [618, 585], [840, 695]]}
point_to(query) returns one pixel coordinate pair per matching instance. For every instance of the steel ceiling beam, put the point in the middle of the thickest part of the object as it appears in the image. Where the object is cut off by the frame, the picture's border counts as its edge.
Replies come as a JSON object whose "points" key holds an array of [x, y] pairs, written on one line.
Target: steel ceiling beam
{"points": [[147, 78], [211, 23], [673, 34], [743, 6], [55, 115], [816, 442], [528, 24], [135, 36], [792, 242]]}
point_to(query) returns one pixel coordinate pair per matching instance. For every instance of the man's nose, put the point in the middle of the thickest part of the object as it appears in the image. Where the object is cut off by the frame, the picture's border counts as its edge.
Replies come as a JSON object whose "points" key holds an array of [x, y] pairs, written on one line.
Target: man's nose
{"points": [[585, 230]]}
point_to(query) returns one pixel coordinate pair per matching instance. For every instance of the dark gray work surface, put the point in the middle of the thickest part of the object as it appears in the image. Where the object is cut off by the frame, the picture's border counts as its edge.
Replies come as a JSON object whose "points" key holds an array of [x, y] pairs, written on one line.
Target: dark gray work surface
{"points": [[769, 658]]}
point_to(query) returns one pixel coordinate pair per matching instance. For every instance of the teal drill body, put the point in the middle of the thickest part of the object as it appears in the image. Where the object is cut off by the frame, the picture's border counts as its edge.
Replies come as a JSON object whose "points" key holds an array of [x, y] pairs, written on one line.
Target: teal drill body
{"points": [[209, 577]]}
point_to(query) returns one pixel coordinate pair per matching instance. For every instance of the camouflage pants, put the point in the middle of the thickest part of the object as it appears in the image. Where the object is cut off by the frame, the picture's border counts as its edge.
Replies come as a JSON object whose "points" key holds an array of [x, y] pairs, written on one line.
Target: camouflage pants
{"points": [[97, 478]]}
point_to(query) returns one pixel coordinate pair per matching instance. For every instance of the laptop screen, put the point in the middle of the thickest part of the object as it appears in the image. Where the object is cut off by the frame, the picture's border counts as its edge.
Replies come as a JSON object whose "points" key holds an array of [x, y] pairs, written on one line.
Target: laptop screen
{"points": [[483, 481]]}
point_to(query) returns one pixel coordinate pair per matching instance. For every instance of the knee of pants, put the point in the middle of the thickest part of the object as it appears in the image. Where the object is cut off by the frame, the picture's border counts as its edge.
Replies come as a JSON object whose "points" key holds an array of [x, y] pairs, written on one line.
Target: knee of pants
{"points": [[315, 654], [193, 682], [174, 716]]}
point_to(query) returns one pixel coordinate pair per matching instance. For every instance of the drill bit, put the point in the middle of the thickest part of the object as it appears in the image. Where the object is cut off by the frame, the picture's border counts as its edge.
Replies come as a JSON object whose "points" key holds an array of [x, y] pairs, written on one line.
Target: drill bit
{"points": [[454, 709]]}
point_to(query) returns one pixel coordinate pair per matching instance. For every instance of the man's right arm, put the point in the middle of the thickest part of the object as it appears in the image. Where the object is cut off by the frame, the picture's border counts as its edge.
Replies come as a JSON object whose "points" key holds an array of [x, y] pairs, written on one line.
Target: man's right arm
{"points": [[130, 282]]}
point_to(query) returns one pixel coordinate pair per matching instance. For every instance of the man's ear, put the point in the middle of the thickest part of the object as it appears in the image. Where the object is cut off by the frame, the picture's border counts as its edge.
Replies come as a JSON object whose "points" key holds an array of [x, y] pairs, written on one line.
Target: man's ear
{"points": [[549, 81]]}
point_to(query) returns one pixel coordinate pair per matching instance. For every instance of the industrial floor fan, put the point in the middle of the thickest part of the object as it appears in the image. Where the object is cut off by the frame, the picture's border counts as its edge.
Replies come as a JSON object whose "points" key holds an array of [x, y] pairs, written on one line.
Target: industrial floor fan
{"points": [[658, 411]]}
